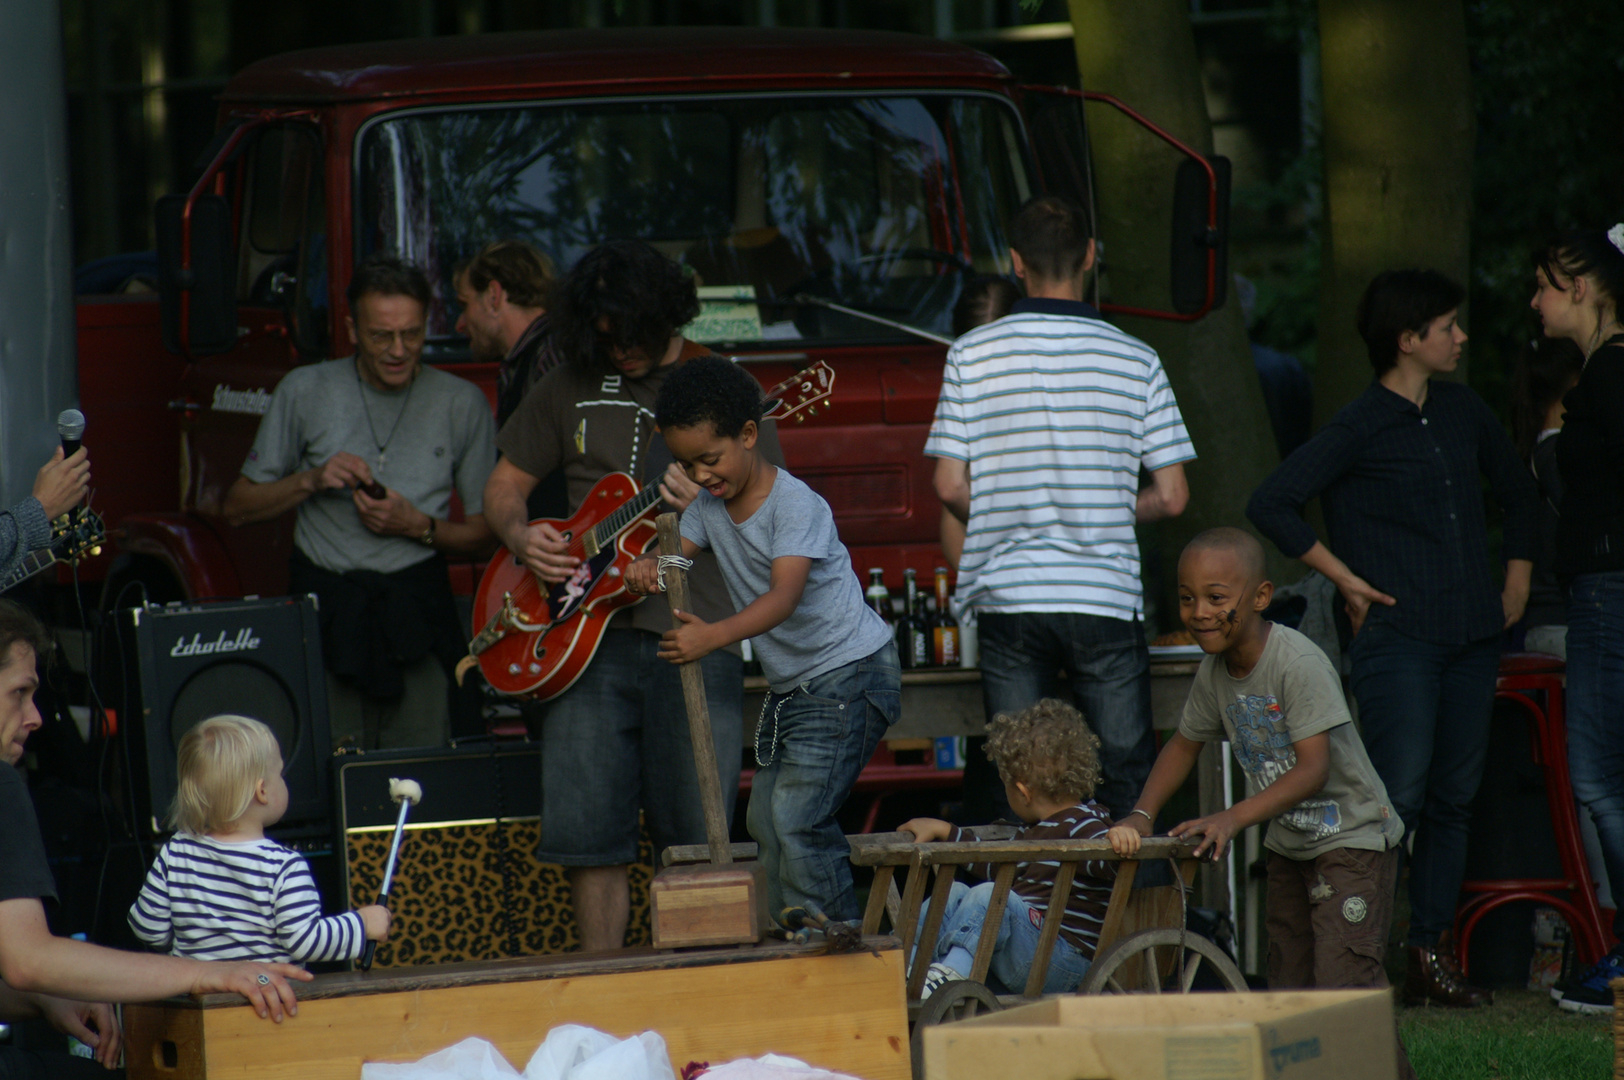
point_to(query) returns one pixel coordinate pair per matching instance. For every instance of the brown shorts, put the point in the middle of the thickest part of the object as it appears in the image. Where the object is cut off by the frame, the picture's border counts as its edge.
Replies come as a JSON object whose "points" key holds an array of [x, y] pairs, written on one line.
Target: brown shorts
{"points": [[1328, 918]]}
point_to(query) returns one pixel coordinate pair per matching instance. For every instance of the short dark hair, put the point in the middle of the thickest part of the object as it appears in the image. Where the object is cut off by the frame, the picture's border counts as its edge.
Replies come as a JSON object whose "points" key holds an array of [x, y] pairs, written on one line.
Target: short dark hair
{"points": [[983, 300], [709, 389], [17, 623], [645, 297], [527, 275], [383, 274], [1400, 300], [1546, 370], [1242, 544], [1051, 236]]}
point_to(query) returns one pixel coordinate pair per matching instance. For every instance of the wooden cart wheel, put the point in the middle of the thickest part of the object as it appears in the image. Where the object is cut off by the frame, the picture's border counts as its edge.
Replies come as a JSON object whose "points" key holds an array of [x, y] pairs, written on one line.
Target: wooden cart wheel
{"points": [[1136, 961], [957, 1000]]}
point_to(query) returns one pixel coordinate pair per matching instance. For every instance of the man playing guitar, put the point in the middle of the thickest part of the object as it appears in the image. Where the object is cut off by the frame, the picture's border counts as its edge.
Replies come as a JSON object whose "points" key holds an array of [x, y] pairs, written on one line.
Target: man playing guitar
{"points": [[617, 739]]}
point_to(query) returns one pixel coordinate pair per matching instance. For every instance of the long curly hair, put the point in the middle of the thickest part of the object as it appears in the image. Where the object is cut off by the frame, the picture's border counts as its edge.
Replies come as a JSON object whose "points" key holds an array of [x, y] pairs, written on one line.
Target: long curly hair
{"points": [[1049, 748], [642, 297]]}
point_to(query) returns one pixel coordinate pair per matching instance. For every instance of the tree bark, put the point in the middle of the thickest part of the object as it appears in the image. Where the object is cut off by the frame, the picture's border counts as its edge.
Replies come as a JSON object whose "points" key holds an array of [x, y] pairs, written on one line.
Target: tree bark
{"points": [[1399, 138], [1144, 53]]}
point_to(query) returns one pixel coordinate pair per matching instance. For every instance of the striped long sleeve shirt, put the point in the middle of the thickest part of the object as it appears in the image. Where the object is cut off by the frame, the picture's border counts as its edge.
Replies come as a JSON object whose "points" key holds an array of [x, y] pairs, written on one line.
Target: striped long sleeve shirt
{"points": [[1054, 411], [1090, 889], [252, 900]]}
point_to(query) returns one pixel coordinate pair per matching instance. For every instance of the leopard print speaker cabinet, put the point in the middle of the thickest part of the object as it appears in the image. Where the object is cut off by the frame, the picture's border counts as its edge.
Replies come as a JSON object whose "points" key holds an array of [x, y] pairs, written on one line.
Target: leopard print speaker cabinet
{"points": [[467, 885]]}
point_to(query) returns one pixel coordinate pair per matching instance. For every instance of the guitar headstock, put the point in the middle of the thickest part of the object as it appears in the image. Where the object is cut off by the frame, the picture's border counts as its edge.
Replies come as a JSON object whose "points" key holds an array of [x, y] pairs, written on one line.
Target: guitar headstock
{"points": [[801, 393], [78, 534]]}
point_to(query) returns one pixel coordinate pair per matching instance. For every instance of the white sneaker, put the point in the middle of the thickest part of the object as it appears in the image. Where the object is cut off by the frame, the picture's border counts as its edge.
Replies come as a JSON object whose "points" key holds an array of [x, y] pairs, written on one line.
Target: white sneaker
{"points": [[936, 977]]}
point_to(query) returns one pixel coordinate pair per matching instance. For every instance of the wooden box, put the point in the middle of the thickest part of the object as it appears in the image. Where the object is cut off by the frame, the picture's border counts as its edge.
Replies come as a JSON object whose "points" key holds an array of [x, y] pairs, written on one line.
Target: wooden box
{"points": [[842, 1012], [709, 905]]}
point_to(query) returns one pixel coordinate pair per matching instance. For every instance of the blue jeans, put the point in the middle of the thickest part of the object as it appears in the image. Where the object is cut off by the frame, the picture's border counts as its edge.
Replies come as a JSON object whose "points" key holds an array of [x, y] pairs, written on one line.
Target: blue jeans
{"points": [[814, 741], [1424, 713], [1595, 713], [1108, 667], [1017, 943], [618, 740]]}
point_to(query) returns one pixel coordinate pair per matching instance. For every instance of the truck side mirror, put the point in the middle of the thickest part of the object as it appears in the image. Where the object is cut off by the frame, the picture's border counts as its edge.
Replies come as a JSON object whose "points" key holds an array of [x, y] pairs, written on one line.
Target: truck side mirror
{"points": [[207, 290], [1193, 239]]}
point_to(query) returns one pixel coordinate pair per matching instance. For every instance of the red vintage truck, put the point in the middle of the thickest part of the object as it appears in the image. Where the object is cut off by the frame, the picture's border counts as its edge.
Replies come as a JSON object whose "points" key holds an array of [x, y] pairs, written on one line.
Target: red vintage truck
{"points": [[791, 169]]}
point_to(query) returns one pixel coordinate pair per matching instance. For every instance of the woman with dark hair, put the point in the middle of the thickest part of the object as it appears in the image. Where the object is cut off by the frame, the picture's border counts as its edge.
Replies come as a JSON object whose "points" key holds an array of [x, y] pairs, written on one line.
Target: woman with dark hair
{"points": [[1545, 372], [1401, 469], [1579, 286]]}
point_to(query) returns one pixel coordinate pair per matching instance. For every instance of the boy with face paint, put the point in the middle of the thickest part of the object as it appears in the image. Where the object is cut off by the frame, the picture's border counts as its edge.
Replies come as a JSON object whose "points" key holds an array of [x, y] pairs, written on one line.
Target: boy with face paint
{"points": [[1332, 835]]}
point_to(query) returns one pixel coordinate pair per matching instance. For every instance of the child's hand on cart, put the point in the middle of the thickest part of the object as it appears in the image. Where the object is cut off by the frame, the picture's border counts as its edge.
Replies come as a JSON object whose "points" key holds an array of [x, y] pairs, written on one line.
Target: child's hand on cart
{"points": [[1126, 835], [927, 830], [1215, 830]]}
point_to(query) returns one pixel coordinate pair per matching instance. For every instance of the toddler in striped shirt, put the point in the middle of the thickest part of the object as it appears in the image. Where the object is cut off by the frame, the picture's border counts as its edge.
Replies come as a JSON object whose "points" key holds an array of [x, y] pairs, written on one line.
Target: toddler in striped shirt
{"points": [[219, 890], [1049, 763]]}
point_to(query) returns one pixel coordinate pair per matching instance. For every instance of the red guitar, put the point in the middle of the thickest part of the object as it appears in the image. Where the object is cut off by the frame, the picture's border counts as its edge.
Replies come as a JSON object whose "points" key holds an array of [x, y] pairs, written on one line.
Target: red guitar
{"points": [[535, 644]]}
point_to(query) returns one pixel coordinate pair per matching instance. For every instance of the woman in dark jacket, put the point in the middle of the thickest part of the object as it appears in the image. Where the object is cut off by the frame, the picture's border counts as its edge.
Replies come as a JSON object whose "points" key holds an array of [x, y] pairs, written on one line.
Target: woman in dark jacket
{"points": [[1579, 284]]}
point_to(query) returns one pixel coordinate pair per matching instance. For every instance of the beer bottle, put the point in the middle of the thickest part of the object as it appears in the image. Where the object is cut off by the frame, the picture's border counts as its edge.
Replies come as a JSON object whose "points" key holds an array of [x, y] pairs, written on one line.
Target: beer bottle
{"points": [[908, 624], [919, 632], [945, 628], [878, 596]]}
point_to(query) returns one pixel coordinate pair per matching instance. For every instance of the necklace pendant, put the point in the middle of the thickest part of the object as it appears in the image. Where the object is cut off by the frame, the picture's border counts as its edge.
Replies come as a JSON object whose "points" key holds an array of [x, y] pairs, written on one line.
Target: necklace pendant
{"points": [[382, 459]]}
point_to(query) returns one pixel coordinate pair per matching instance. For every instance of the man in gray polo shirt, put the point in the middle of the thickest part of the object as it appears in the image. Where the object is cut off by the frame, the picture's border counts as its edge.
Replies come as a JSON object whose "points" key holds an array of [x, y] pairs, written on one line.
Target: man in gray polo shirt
{"points": [[368, 449]]}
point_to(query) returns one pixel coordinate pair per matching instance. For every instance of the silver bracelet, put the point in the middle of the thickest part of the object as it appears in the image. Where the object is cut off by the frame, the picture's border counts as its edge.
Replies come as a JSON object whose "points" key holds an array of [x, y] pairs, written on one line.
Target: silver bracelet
{"points": [[1147, 817]]}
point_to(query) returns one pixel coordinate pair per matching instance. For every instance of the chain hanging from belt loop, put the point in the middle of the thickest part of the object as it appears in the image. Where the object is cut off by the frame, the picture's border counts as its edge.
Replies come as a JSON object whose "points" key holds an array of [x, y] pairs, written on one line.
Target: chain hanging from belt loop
{"points": [[761, 722]]}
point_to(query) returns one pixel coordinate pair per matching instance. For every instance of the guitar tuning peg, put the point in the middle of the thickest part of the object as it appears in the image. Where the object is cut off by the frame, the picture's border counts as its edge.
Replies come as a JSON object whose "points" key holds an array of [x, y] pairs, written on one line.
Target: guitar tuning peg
{"points": [[95, 551], [800, 418]]}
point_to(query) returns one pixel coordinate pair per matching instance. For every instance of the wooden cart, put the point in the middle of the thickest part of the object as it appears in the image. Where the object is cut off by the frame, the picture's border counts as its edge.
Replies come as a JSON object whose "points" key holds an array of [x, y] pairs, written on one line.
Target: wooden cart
{"points": [[1143, 941]]}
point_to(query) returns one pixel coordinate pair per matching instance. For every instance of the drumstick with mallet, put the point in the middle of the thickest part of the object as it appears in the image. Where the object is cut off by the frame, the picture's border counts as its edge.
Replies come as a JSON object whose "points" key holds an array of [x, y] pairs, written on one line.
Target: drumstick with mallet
{"points": [[408, 793]]}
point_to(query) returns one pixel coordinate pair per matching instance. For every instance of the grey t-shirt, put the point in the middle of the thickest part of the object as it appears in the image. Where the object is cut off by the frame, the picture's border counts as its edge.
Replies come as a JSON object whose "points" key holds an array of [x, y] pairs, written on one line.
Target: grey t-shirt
{"points": [[438, 435], [831, 626], [1291, 694]]}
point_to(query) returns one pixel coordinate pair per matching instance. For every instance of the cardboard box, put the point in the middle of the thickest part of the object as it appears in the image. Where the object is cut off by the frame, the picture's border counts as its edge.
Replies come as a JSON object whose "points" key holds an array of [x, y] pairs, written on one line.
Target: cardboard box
{"points": [[1294, 1035]]}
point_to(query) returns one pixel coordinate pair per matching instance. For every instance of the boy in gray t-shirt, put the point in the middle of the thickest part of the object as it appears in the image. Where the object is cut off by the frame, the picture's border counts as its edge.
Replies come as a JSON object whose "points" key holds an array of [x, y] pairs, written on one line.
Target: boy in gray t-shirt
{"points": [[831, 664], [1333, 837]]}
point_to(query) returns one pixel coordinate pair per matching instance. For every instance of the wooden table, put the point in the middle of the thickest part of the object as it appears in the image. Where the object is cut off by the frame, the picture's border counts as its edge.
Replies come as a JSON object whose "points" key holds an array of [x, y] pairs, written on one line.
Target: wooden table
{"points": [[841, 1012]]}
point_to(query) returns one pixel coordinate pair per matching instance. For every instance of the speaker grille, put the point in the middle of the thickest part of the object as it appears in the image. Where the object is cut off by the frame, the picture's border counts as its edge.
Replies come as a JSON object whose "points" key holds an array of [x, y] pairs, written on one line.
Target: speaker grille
{"points": [[244, 689]]}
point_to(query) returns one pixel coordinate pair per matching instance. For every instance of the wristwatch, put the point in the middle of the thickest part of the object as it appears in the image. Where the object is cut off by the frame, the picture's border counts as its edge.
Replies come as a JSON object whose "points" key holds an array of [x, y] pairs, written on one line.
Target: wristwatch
{"points": [[427, 539]]}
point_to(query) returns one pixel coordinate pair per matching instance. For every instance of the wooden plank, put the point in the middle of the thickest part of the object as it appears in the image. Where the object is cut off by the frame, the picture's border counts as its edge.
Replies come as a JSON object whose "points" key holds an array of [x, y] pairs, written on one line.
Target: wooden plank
{"points": [[693, 696], [989, 927], [913, 894], [843, 1012], [880, 849], [931, 930], [682, 854], [1111, 927], [1058, 898], [878, 893]]}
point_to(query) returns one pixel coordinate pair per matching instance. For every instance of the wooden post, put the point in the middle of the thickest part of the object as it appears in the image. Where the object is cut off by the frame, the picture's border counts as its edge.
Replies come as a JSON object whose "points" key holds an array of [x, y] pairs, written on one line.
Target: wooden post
{"points": [[693, 695]]}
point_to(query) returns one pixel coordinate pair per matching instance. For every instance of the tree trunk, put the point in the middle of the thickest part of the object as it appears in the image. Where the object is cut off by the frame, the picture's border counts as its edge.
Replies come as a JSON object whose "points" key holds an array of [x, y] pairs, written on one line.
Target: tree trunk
{"points": [[1144, 53], [1398, 164]]}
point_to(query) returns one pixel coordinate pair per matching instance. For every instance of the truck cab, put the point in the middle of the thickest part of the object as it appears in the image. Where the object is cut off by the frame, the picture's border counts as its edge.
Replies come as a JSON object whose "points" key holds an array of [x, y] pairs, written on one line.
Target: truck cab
{"points": [[832, 193]]}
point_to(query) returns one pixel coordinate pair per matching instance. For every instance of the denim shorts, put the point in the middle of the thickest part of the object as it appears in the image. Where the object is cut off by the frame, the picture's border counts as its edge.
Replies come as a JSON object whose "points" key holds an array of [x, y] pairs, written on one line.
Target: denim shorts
{"points": [[618, 741]]}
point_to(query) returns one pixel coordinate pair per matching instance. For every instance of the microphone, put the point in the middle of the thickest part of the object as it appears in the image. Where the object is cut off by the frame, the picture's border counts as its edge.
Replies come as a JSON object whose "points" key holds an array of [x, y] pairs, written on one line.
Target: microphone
{"points": [[70, 425]]}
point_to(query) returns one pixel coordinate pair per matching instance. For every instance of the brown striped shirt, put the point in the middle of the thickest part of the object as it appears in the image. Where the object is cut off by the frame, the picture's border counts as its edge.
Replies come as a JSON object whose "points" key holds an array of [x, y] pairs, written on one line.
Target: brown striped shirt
{"points": [[1090, 889]]}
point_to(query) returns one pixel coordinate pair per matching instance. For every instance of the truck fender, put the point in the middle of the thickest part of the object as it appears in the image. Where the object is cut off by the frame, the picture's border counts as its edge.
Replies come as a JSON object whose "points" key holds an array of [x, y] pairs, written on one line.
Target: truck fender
{"points": [[187, 546]]}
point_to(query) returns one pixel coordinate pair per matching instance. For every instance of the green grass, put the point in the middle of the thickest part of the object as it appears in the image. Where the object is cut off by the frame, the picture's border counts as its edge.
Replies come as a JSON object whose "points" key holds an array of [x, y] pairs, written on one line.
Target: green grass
{"points": [[1522, 1036]]}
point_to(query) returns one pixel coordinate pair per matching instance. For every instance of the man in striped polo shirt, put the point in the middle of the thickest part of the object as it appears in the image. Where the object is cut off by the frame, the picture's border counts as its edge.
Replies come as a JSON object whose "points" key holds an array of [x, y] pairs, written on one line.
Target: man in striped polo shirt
{"points": [[1046, 419]]}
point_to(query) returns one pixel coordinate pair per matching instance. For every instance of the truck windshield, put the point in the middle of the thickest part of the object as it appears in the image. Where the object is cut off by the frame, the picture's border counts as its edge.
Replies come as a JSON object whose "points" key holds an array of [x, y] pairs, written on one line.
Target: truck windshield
{"points": [[883, 204]]}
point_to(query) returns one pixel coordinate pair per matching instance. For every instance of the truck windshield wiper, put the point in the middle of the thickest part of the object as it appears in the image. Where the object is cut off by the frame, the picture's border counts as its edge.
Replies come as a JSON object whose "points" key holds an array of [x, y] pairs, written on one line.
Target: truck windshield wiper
{"points": [[818, 301]]}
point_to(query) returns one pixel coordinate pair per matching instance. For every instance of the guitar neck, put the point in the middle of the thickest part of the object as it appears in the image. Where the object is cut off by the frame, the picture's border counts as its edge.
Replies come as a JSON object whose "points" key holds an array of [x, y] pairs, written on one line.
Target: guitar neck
{"points": [[605, 531], [32, 563]]}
